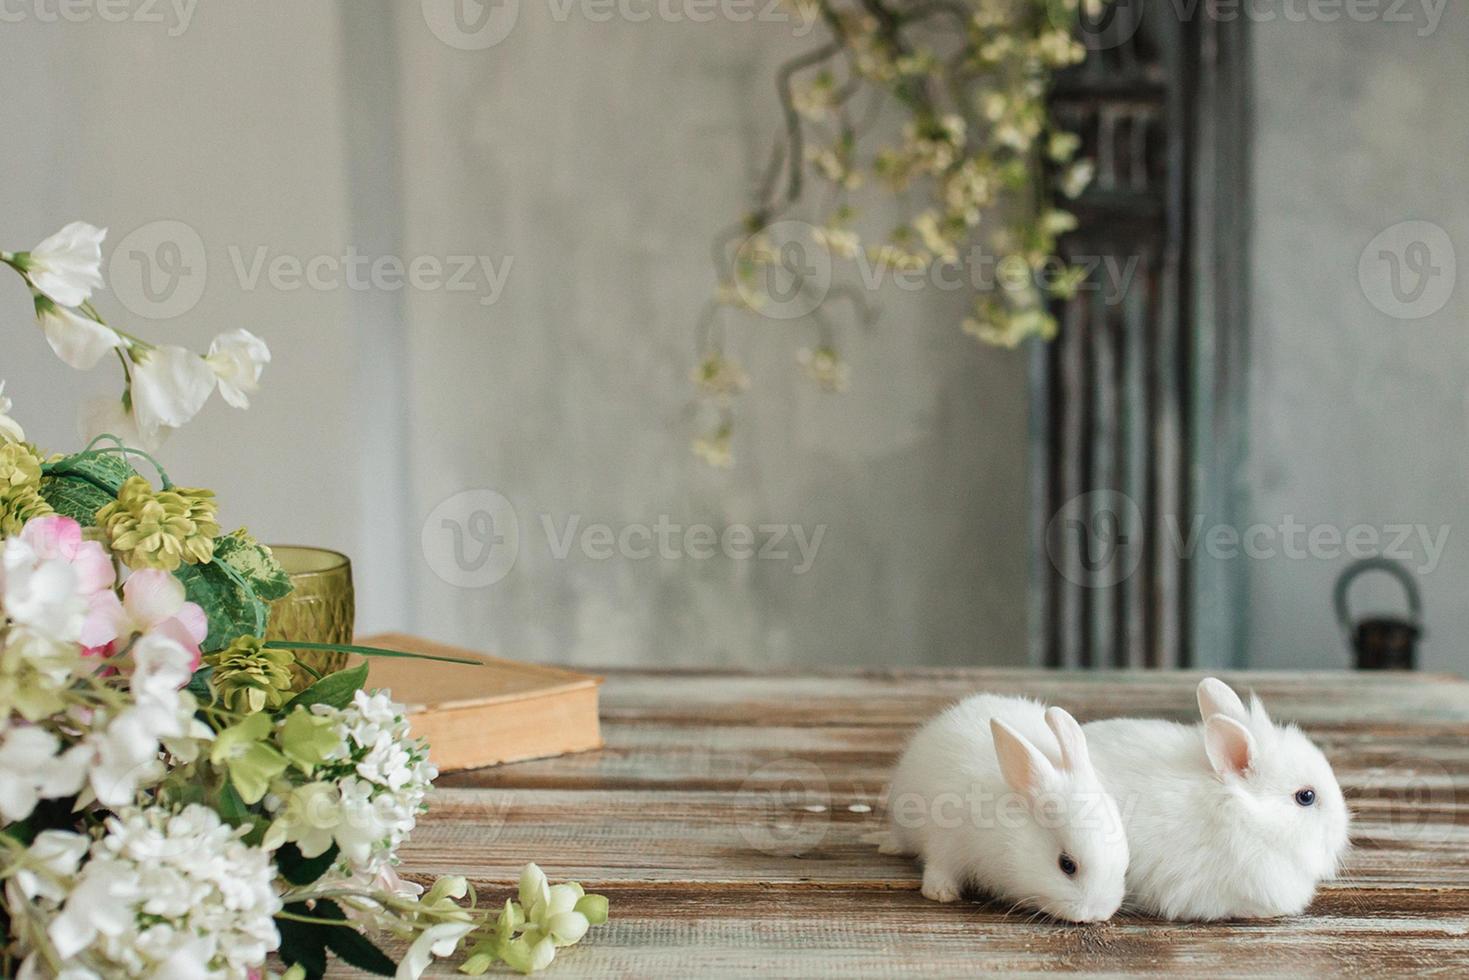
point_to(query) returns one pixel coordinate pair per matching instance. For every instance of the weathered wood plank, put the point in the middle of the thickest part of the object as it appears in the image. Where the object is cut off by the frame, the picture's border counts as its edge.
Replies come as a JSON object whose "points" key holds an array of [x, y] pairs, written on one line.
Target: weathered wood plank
{"points": [[906, 698], [730, 818], [1381, 759], [698, 932], [798, 835]]}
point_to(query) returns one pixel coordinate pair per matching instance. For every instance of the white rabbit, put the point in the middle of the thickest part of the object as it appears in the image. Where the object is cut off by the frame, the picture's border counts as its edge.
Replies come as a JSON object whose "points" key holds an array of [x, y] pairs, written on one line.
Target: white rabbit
{"points": [[1234, 818], [1000, 793]]}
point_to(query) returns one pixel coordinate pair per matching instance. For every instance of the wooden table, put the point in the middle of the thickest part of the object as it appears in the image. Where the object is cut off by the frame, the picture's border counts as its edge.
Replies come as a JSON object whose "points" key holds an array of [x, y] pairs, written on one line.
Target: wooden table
{"points": [[726, 820]]}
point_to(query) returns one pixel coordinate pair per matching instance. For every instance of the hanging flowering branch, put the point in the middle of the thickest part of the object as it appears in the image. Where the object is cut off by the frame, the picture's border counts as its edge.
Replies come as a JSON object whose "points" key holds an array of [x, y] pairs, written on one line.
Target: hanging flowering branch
{"points": [[975, 163], [164, 386]]}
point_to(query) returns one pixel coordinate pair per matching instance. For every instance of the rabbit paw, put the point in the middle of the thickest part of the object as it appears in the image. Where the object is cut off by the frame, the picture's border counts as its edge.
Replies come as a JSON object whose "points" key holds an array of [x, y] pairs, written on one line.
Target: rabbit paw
{"points": [[939, 886]]}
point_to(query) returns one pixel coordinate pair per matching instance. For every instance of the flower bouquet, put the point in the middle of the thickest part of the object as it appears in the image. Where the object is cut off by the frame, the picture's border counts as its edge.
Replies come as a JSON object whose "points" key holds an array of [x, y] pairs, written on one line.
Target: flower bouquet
{"points": [[172, 806]]}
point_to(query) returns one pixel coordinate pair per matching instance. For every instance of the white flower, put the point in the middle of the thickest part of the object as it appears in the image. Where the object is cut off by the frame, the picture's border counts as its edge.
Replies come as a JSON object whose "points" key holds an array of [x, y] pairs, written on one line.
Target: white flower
{"points": [[161, 666], [237, 358], [41, 595], [311, 815], [1058, 222], [720, 376], [123, 754], [716, 450], [1077, 178], [35, 673], [439, 940], [68, 265], [79, 341], [935, 237], [10, 430], [50, 861], [30, 771], [170, 385], [825, 367], [175, 895], [99, 904], [841, 242], [109, 416], [380, 776], [366, 823]]}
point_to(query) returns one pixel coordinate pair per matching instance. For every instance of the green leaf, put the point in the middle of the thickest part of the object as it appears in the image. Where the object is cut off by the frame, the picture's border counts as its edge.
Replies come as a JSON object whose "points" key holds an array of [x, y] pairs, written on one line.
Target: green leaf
{"points": [[231, 808], [79, 486], [303, 944], [309, 941], [357, 950], [235, 589], [333, 689], [22, 831], [232, 611], [300, 870], [199, 685], [371, 652], [255, 563]]}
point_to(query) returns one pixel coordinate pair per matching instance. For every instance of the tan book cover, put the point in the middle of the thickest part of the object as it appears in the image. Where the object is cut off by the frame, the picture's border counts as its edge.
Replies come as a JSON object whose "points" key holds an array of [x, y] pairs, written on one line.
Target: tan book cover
{"points": [[499, 711]]}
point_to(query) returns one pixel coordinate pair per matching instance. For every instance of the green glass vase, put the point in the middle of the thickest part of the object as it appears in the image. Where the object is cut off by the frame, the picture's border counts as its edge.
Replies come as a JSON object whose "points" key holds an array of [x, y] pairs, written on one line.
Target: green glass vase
{"points": [[321, 608]]}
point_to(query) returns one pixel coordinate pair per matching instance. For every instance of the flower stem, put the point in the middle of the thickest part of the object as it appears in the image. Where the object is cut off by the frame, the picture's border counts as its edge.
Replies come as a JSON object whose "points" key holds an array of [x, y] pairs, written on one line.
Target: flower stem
{"points": [[126, 450], [313, 920]]}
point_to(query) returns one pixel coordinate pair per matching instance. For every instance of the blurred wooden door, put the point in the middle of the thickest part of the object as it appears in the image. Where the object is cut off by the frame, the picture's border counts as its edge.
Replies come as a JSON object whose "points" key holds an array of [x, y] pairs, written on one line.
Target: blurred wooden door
{"points": [[1134, 414]]}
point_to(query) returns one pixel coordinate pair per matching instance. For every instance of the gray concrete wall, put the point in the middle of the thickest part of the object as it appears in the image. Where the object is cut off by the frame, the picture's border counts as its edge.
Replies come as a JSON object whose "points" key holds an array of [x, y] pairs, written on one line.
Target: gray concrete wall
{"points": [[1357, 416], [599, 158], [231, 123]]}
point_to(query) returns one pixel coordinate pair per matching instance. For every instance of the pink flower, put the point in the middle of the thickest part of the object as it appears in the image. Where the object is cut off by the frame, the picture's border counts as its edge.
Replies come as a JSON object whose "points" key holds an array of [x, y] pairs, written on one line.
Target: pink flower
{"points": [[57, 538], [60, 538], [153, 604]]}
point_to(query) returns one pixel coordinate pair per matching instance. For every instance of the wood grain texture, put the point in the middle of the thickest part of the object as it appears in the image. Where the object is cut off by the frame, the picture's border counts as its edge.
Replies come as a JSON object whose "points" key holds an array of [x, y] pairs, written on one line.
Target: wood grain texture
{"points": [[729, 819]]}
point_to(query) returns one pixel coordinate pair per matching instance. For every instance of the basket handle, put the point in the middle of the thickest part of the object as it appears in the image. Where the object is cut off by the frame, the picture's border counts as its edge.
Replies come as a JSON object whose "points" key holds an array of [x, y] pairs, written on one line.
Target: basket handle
{"points": [[1377, 564]]}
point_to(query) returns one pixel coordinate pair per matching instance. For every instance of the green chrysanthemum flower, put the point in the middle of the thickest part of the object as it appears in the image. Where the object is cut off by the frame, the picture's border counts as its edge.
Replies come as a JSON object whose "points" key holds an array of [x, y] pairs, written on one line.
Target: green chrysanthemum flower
{"points": [[160, 529], [20, 465], [20, 487], [17, 506], [249, 678]]}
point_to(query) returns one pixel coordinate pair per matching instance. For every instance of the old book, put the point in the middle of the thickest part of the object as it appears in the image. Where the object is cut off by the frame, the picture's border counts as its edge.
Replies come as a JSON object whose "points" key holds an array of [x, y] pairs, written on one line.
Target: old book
{"points": [[498, 711]]}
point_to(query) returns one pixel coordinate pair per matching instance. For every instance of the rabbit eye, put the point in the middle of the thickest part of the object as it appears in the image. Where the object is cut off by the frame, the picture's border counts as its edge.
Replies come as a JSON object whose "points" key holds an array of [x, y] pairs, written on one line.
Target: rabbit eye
{"points": [[1305, 797], [1067, 865]]}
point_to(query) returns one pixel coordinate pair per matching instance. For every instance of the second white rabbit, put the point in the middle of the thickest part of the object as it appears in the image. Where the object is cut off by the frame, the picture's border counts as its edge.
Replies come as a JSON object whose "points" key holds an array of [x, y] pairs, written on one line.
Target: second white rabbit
{"points": [[1235, 818]]}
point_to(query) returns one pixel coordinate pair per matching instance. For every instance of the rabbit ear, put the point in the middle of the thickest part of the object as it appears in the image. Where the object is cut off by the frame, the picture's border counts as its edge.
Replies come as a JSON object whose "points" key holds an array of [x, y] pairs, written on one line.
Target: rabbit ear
{"points": [[1257, 708], [1074, 755], [1215, 698], [1229, 745], [1025, 769]]}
